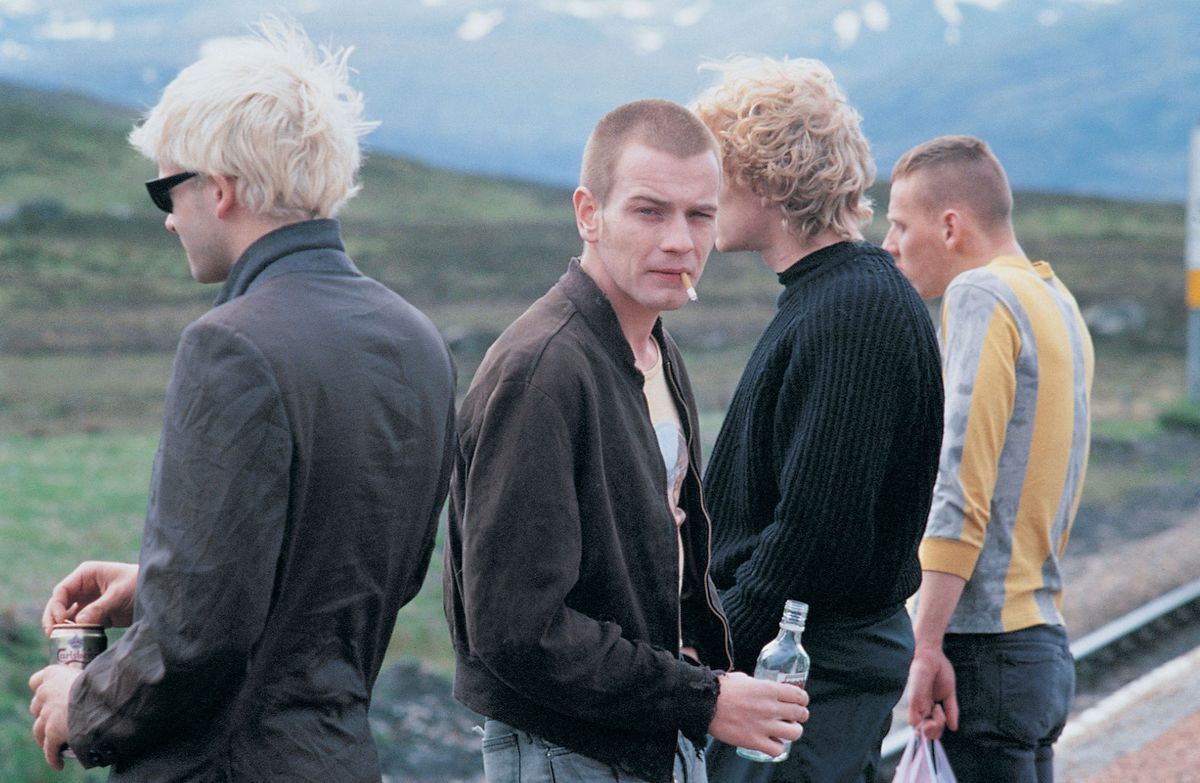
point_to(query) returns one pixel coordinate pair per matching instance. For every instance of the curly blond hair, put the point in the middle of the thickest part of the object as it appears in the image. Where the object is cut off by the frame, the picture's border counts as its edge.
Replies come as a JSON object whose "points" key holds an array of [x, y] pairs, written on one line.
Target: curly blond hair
{"points": [[788, 134]]}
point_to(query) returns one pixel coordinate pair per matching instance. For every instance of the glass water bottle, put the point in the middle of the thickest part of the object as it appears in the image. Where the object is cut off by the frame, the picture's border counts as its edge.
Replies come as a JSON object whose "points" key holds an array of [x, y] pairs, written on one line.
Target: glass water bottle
{"points": [[783, 660]]}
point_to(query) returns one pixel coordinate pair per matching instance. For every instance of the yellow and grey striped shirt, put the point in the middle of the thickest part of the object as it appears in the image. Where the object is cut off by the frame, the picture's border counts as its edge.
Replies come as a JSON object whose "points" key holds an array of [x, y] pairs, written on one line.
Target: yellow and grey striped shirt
{"points": [[1017, 365]]}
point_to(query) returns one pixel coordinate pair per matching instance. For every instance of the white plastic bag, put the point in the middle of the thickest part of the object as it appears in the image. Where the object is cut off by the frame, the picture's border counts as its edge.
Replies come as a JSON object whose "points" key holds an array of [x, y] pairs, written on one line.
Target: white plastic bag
{"points": [[924, 761]]}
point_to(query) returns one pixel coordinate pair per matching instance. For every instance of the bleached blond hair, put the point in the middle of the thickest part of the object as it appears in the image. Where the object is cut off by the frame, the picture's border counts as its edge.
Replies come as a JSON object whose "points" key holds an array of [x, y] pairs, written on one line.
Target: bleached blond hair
{"points": [[271, 110], [788, 134]]}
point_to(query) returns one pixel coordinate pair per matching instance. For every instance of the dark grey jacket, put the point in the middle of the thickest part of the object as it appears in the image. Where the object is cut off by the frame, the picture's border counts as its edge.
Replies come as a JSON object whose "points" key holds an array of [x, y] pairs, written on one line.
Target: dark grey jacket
{"points": [[303, 463], [562, 567]]}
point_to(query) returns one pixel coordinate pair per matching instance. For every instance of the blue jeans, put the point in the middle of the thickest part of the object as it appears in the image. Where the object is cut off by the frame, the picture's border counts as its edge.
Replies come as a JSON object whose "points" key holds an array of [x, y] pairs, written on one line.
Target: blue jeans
{"points": [[859, 669], [1014, 692], [514, 756]]}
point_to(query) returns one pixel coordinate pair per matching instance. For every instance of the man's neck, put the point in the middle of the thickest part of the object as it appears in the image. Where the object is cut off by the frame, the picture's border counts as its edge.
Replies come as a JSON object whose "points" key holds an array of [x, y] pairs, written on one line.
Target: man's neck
{"points": [[639, 333], [989, 251], [637, 324], [786, 248]]}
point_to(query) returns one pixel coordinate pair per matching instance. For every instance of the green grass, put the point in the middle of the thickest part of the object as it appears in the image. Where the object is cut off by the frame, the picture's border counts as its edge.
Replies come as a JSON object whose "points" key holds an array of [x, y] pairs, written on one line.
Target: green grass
{"points": [[74, 392], [421, 631], [1124, 430], [1131, 386], [63, 499], [67, 498], [71, 497], [1183, 414]]}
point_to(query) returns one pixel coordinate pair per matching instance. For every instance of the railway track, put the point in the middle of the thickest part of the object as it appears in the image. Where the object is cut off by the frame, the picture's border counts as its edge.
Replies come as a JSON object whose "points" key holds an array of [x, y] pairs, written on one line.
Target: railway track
{"points": [[1112, 656]]}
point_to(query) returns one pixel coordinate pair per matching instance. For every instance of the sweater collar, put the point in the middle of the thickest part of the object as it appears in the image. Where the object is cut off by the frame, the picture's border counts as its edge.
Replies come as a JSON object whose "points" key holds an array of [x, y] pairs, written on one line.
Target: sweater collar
{"points": [[597, 311], [269, 255], [820, 261]]}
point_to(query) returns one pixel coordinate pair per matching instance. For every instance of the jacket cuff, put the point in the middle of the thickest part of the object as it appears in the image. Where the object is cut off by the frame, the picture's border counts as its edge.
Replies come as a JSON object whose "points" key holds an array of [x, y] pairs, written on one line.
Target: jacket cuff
{"points": [[949, 556], [697, 698], [90, 751]]}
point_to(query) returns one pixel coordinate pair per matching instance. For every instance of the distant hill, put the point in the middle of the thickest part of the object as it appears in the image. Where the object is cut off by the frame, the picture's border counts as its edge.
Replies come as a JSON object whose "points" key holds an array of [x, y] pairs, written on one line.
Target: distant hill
{"points": [[71, 148], [1101, 103], [85, 263], [67, 148], [91, 268]]}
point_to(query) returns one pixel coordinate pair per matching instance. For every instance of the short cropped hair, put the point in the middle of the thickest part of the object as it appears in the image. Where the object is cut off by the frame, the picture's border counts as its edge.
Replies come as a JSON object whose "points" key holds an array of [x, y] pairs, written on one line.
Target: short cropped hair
{"points": [[660, 125], [960, 171], [270, 110], [788, 134]]}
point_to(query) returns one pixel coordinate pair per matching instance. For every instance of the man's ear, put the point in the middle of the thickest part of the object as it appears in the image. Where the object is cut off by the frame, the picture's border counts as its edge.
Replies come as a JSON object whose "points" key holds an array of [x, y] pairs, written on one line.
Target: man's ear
{"points": [[587, 214], [226, 194], [952, 229]]}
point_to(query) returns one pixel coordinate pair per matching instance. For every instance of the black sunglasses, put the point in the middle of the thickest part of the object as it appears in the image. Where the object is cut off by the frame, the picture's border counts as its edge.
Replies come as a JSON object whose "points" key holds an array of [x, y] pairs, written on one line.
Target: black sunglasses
{"points": [[160, 189]]}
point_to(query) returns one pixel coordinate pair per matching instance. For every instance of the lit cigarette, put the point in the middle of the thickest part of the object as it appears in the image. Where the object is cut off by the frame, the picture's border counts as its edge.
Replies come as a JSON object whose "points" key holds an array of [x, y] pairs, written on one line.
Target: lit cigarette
{"points": [[691, 289]]}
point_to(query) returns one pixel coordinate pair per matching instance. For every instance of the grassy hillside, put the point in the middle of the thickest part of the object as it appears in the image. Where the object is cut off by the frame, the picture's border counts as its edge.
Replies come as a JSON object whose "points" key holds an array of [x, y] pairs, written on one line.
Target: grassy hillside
{"points": [[94, 292], [89, 241], [72, 149]]}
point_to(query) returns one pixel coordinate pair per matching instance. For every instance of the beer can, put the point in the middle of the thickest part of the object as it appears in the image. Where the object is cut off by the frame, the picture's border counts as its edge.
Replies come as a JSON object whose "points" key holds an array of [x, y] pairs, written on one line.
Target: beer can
{"points": [[76, 645]]}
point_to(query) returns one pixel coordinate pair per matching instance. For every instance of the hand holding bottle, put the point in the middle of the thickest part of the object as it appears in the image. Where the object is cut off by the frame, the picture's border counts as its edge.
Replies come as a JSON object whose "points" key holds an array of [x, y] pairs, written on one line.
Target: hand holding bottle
{"points": [[758, 714], [783, 660]]}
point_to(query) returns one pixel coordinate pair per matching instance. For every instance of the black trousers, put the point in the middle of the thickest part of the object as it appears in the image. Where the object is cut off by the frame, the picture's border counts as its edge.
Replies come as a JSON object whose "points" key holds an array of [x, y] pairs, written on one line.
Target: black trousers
{"points": [[858, 673]]}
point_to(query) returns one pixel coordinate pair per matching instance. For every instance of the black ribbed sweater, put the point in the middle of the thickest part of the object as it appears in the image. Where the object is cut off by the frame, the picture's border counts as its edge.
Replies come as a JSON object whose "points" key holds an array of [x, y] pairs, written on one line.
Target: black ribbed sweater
{"points": [[822, 474]]}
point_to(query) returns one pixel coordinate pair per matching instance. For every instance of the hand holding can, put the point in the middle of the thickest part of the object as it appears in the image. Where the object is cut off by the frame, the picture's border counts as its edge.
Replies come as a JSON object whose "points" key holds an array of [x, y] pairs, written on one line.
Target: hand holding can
{"points": [[76, 646]]}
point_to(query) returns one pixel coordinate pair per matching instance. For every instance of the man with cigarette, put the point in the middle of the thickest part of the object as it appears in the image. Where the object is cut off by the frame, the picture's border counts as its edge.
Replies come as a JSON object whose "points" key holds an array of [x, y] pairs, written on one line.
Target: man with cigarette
{"points": [[303, 462], [993, 660], [821, 476], [583, 619]]}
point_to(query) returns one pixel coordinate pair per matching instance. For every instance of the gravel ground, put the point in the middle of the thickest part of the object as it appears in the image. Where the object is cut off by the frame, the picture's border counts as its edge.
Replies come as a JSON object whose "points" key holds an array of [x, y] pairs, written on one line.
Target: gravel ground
{"points": [[1140, 545], [1146, 731], [423, 734], [1172, 758]]}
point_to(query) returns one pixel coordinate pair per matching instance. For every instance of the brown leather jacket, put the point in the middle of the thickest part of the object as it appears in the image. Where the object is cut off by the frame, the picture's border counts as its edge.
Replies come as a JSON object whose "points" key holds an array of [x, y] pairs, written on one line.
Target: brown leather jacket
{"points": [[561, 578]]}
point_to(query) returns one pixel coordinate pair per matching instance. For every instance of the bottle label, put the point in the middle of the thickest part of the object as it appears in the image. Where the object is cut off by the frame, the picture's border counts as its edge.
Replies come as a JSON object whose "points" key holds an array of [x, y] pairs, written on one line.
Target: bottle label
{"points": [[789, 678]]}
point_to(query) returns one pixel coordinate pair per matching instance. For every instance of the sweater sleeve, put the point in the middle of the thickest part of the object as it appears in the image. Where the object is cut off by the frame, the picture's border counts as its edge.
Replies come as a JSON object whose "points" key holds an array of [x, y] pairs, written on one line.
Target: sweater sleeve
{"points": [[840, 403], [980, 344], [214, 527]]}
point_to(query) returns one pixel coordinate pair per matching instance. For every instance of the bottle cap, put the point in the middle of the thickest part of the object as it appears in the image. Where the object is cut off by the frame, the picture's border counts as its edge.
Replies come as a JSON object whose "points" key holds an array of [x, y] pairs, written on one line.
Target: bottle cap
{"points": [[794, 613]]}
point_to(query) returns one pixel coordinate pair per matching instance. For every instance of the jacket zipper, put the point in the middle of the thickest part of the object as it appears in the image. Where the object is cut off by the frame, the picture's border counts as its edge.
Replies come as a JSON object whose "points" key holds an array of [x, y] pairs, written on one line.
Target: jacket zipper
{"points": [[728, 635], [676, 570]]}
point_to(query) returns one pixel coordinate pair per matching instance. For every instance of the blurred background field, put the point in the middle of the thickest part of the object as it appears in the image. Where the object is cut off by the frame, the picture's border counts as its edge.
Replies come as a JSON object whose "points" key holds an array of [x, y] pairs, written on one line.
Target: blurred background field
{"points": [[94, 292]]}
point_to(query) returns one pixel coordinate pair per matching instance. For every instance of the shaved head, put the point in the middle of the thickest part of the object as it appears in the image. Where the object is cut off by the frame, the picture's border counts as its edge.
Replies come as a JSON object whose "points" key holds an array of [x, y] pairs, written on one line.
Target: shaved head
{"points": [[959, 172]]}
